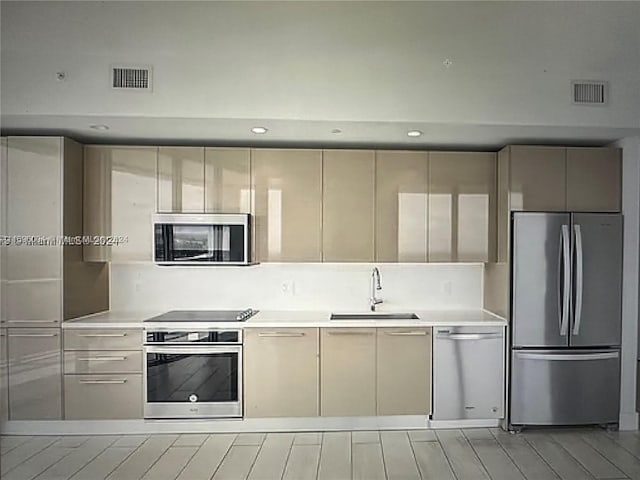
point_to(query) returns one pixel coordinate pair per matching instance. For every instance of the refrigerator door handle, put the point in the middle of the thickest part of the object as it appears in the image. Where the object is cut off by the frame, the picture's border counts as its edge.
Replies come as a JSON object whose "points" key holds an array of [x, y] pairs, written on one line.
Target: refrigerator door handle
{"points": [[566, 262], [579, 279], [568, 357]]}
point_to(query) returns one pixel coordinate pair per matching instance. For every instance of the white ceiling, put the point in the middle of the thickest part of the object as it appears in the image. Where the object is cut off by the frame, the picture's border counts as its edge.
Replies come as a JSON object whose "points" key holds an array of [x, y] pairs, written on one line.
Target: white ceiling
{"points": [[301, 69]]}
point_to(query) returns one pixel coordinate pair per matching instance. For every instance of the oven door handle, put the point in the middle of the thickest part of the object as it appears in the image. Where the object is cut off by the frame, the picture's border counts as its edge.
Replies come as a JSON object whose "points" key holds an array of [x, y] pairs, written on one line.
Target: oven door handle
{"points": [[203, 350]]}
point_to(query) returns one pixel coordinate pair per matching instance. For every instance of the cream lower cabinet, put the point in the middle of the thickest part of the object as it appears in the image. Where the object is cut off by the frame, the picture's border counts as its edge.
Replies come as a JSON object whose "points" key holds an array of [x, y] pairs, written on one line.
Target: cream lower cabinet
{"points": [[348, 372], [35, 374], [281, 372], [403, 371]]}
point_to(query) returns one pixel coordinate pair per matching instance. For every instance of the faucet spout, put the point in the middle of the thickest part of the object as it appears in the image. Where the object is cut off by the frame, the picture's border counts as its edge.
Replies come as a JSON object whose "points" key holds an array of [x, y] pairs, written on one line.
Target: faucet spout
{"points": [[375, 285]]}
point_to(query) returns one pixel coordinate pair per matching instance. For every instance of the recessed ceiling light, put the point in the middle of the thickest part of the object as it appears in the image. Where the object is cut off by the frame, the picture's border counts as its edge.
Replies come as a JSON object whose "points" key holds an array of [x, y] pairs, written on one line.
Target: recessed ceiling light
{"points": [[99, 126], [414, 133], [259, 130], [336, 131]]}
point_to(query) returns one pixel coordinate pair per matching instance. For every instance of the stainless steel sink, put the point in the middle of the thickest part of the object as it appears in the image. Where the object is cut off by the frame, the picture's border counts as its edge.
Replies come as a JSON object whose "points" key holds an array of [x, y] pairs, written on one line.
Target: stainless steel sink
{"points": [[374, 316]]}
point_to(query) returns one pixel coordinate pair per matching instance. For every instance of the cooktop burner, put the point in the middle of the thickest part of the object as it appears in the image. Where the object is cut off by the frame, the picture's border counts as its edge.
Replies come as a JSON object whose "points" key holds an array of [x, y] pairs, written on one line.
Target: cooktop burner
{"points": [[205, 316]]}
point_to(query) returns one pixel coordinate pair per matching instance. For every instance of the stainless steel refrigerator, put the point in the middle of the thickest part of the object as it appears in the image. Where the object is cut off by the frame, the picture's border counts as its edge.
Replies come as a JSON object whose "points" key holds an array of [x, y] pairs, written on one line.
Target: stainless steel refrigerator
{"points": [[566, 284]]}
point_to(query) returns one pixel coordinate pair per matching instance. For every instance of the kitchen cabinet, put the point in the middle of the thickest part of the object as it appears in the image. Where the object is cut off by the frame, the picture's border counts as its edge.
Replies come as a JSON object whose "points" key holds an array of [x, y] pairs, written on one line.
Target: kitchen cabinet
{"points": [[35, 376], [96, 201], [347, 372], [3, 225], [594, 179], [281, 368], [348, 185], [401, 206], [462, 206], [4, 376], [288, 205], [92, 339], [227, 180], [103, 397], [180, 179], [403, 371]]}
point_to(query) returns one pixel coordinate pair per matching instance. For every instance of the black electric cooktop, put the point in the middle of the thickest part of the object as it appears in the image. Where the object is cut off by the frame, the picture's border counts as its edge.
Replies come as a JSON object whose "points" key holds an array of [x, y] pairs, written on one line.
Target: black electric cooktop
{"points": [[204, 316]]}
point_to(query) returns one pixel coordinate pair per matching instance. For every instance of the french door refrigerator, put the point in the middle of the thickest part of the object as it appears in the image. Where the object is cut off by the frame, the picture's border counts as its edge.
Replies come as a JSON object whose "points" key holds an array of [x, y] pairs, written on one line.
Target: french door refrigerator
{"points": [[566, 284]]}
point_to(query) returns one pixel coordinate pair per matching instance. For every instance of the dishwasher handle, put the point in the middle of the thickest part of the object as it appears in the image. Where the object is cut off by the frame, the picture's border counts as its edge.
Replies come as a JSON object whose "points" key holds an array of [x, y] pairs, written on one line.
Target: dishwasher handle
{"points": [[468, 336]]}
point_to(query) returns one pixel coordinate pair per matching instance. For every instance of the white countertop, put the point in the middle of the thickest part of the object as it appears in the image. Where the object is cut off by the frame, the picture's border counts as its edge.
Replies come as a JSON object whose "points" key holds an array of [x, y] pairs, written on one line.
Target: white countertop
{"points": [[296, 319]]}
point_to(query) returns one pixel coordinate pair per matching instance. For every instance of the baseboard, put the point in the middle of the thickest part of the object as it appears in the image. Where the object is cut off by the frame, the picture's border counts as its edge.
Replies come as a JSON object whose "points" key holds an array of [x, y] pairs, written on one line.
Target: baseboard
{"points": [[628, 421]]}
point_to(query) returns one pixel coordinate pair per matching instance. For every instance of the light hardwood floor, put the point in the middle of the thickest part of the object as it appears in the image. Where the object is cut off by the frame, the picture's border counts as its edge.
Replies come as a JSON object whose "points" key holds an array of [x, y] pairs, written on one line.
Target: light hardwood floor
{"points": [[470, 454]]}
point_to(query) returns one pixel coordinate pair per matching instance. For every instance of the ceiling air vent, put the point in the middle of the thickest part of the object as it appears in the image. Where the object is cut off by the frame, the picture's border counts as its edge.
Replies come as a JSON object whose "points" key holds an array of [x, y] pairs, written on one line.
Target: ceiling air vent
{"points": [[131, 78], [587, 92]]}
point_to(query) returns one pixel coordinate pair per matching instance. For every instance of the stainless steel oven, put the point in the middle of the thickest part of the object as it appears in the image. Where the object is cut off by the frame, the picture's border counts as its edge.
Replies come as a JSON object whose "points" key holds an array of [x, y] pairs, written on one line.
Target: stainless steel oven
{"points": [[192, 372]]}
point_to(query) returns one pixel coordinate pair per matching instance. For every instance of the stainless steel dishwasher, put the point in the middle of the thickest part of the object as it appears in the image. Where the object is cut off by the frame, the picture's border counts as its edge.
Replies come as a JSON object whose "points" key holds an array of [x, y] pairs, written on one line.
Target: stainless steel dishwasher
{"points": [[468, 373]]}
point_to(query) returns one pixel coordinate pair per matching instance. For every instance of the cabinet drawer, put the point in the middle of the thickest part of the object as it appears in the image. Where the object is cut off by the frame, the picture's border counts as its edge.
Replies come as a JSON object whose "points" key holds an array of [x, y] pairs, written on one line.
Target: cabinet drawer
{"points": [[102, 339], [108, 361], [102, 396]]}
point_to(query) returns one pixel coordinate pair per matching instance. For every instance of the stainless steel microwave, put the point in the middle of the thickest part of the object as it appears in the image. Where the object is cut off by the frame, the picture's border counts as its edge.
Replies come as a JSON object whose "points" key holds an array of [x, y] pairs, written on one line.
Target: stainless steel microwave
{"points": [[202, 239]]}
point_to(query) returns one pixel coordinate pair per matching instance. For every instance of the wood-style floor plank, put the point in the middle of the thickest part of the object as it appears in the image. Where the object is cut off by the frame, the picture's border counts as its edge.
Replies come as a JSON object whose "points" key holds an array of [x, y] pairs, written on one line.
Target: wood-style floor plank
{"points": [[71, 441], [250, 439], [78, 458], [591, 459], [630, 441], [530, 463], [335, 458], [308, 438], [367, 461], [272, 457], [563, 464], [493, 457], [191, 440], [8, 443], [464, 461], [137, 464], [170, 464], [37, 464], [302, 463], [432, 461], [422, 436], [620, 457], [130, 441], [399, 461], [24, 452], [237, 463], [365, 437], [207, 460], [105, 463]]}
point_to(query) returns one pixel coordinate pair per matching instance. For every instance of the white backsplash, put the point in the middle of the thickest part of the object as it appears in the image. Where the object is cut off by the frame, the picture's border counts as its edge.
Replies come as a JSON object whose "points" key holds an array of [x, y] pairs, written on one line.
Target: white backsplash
{"points": [[301, 286]]}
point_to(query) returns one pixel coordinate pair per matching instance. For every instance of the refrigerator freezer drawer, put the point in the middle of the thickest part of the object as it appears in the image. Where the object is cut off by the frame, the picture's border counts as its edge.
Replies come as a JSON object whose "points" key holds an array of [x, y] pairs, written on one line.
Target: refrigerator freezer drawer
{"points": [[468, 373], [565, 387]]}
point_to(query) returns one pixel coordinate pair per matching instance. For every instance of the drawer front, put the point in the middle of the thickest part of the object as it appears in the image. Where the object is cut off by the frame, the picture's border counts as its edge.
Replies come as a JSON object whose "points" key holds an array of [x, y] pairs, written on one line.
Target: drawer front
{"points": [[102, 397], [103, 339], [105, 361]]}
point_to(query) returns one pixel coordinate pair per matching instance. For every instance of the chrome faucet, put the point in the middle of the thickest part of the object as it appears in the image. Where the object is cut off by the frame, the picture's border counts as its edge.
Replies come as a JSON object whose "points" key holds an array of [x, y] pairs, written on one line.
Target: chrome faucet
{"points": [[375, 285]]}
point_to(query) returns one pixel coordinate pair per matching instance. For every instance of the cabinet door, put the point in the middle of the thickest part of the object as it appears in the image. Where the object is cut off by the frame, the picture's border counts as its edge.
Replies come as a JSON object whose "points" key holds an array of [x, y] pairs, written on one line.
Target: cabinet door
{"points": [[593, 179], [281, 372], [404, 371], [181, 179], [35, 376], [401, 206], [133, 199], [96, 197], [348, 205], [3, 225], [504, 219], [462, 206], [288, 205], [227, 176], [348, 372], [538, 178], [4, 384], [103, 397]]}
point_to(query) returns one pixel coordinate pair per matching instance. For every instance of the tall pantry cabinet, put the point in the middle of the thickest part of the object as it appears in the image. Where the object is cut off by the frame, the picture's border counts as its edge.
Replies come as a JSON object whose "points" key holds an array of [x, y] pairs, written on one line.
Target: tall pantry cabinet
{"points": [[44, 279]]}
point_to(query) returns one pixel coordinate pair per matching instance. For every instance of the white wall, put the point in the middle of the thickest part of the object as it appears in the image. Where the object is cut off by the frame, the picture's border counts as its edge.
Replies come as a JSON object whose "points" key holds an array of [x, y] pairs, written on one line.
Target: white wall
{"points": [[631, 280], [306, 287]]}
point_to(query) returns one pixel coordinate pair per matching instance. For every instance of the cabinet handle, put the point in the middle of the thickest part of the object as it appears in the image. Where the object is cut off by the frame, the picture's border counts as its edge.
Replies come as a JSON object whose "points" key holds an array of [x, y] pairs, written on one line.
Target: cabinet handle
{"points": [[407, 334], [33, 335], [32, 321], [103, 382], [349, 333], [281, 334], [96, 335], [91, 359]]}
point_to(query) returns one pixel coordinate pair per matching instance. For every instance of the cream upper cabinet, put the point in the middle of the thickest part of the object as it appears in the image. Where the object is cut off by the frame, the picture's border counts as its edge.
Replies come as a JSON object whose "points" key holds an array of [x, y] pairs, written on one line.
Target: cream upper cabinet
{"points": [[348, 372], [227, 180], [348, 185], [401, 206], [281, 372], [462, 206], [97, 201], [404, 371], [594, 179], [288, 205], [180, 179], [537, 178], [133, 201]]}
